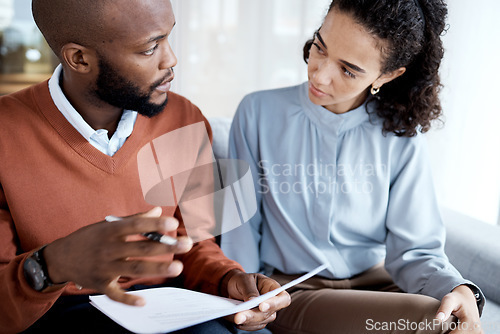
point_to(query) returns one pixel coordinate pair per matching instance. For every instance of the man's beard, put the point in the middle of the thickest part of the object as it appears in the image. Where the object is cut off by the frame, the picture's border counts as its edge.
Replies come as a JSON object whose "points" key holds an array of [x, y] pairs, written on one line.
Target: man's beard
{"points": [[117, 91]]}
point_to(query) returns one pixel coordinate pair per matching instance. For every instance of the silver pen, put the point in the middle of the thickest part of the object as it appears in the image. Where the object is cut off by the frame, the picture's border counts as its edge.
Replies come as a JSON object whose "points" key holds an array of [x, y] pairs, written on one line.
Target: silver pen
{"points": [[154, 236]]}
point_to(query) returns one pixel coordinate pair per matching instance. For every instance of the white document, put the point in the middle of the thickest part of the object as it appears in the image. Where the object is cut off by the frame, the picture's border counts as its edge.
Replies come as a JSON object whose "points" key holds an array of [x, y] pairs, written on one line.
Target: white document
{"points": [[171, 309]]}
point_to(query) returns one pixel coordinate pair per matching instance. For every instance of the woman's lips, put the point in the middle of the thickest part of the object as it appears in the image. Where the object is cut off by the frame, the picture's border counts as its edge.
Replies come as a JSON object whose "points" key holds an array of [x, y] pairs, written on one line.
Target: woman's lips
{"points": [[315, 91]]}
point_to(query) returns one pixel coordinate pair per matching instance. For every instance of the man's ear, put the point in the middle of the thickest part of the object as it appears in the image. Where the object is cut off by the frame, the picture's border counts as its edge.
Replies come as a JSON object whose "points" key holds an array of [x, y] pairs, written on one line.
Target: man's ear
{"points": [[388, 77], [78, 58]]}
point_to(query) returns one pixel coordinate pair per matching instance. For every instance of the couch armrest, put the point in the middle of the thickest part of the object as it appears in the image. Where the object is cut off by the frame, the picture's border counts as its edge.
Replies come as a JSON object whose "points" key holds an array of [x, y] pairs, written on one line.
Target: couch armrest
{"points": [[473, 247]]}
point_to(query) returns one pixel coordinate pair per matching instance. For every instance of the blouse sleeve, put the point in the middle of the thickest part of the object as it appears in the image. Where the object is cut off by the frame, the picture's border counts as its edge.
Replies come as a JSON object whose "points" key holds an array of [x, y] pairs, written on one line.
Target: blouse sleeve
{"points": [[416, 233], [243, 243]]}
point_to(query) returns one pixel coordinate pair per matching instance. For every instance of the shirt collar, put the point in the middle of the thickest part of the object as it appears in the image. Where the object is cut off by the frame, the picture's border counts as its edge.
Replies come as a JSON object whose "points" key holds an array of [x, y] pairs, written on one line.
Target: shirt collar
{"points": [[99, 137]]}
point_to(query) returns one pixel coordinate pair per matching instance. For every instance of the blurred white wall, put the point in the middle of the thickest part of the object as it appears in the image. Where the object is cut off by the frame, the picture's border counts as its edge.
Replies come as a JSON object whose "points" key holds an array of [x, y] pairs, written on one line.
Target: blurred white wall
{"points": [[229, 48], [466, 151]]}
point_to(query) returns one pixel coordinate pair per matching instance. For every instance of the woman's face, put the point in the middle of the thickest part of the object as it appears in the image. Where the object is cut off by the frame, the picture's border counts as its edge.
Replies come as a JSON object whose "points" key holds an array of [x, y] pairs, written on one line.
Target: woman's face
{"points": [[344, 61]]}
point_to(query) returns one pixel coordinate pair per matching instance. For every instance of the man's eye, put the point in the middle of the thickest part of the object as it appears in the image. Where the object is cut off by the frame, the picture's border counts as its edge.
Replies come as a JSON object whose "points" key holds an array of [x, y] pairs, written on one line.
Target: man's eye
{"points": [[151, 51]]}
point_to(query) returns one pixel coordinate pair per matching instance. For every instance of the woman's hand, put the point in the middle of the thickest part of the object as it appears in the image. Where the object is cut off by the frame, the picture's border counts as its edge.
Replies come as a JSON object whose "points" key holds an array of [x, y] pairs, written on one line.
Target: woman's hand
{"points": [[462, 304], [243, 286]]}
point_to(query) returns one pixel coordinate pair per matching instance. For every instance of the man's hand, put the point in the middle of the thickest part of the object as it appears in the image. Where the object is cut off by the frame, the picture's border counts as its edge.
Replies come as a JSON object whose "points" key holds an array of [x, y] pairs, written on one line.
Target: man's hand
{"points": [[462, 304], [243, 286], [97, 255]]}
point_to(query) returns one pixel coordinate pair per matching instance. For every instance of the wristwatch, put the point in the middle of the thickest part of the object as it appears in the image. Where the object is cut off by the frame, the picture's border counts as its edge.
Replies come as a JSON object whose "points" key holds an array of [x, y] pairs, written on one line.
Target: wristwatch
{"points": [[35, 271], [479, 297]]}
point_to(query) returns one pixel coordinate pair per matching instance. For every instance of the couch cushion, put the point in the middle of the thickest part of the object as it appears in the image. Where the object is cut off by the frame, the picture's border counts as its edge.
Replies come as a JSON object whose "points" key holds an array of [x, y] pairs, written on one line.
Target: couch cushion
{"points": [[490, 320], [473, 247], [220, 130]]}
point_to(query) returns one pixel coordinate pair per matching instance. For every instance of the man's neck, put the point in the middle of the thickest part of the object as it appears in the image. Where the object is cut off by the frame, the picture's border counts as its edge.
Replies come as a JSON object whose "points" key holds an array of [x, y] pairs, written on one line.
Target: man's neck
{"points": [[97, 114]]}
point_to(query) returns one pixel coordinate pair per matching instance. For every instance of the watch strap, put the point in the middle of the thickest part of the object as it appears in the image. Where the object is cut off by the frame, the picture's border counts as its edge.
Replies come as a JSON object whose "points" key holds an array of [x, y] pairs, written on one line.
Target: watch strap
{"points": [[35, 271], [479, 297]]}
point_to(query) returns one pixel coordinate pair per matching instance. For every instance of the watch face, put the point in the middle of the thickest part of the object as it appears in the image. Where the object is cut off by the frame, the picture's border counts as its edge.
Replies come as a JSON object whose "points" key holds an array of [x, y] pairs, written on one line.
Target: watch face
{"points": [[34, 274]]}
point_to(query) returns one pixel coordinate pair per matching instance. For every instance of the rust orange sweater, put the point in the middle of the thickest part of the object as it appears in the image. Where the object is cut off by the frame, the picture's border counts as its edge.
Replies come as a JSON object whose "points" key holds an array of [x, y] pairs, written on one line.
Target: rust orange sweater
{"points": [[53, 182]]}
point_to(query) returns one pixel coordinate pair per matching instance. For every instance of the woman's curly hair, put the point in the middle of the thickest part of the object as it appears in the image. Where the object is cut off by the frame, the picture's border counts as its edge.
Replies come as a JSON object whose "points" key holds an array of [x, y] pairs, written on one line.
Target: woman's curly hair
{"points": [[412, 31]]}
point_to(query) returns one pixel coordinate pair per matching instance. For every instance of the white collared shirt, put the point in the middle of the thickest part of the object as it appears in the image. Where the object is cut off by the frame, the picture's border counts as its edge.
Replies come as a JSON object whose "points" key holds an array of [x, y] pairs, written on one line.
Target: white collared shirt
{"points": [[98, 138]]}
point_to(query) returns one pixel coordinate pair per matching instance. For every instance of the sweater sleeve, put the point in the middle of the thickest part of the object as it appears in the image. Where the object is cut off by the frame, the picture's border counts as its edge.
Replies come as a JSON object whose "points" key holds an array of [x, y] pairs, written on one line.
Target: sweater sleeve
{"points": [[205, 265], [416, 234], [20, 305], [243, 243]]}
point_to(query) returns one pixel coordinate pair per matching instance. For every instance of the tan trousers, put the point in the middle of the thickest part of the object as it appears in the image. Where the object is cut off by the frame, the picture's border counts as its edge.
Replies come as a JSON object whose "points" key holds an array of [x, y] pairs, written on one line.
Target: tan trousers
{"points": [[367, 303]]}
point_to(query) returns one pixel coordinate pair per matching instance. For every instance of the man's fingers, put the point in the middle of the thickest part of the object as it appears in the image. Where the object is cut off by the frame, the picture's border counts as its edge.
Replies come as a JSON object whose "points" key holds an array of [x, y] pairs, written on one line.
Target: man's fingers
{"points": [[116, 293], [239, 318], [266, 284], [252, 328], [154, 212], [253, 318], [245, 317], [276, 303], [149, 221], [247, 287], [265, 313], [140, 224], [138, 268], [144, 248]]}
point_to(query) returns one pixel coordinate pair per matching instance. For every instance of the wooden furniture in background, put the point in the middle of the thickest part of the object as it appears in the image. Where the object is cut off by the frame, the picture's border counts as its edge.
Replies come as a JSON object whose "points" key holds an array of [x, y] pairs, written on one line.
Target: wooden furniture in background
{"points": [[10, 83]]}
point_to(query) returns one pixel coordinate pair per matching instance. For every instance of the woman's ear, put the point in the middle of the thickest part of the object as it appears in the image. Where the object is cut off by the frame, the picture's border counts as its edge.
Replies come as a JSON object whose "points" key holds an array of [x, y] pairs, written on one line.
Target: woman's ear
{"points": [[388, 77], [78, 58]]}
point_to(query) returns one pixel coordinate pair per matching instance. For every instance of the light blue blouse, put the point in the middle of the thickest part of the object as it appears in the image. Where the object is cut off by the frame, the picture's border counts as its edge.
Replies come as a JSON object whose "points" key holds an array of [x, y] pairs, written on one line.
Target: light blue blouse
{"points": [[334, 189]]}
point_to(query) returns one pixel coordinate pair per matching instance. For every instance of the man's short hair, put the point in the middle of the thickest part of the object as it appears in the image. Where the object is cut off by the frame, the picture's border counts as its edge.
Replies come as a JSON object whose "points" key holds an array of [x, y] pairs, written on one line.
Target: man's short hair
{"points": [[70, 21]]}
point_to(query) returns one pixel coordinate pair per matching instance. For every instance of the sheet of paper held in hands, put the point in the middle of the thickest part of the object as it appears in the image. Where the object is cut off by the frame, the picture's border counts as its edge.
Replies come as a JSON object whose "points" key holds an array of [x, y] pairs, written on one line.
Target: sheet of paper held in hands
{"points": [[170, 309]]}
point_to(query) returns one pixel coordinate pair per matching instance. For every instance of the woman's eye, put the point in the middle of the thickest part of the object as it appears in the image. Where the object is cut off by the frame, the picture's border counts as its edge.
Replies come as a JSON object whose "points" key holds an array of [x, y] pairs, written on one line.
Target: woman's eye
{"points": [[150, 52], [319, 49], [348, 73]]}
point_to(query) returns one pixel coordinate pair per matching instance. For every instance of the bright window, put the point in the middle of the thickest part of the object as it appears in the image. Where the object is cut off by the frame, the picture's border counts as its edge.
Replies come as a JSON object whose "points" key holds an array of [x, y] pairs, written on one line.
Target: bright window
{"points": [[229, 48]]}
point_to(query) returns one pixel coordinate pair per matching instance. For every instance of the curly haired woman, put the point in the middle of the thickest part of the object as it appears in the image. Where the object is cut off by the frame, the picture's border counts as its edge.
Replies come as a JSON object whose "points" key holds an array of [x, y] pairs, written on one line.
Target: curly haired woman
{"points": [[342, 177]]}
